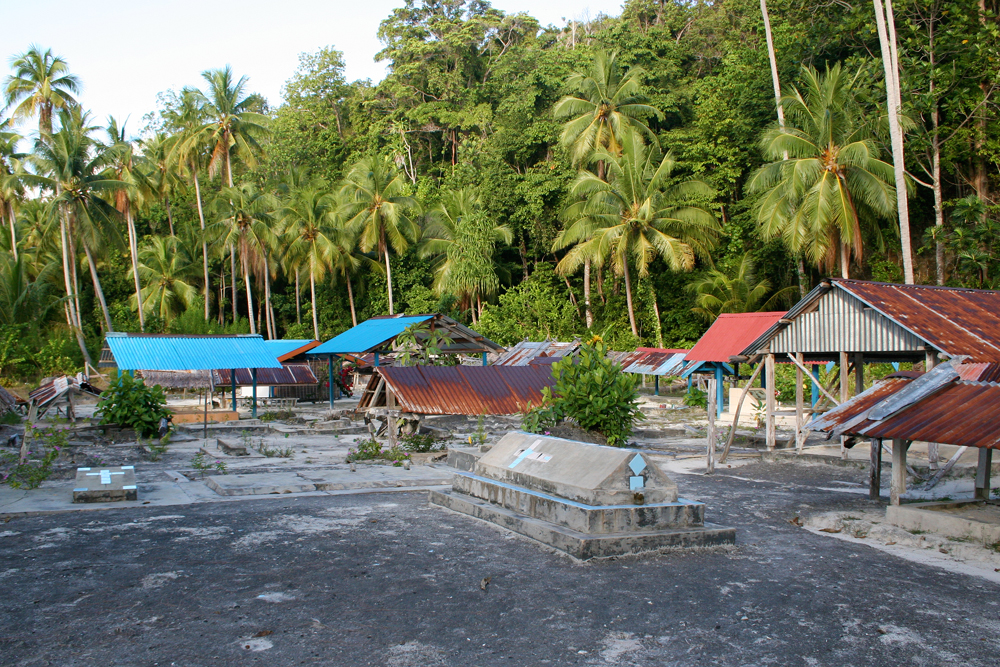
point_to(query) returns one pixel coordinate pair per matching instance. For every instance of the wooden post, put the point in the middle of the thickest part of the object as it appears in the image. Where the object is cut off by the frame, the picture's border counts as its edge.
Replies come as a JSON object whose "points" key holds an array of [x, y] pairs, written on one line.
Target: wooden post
{"points": [[933, 450], [329, 371], [232, 375], [769, 401], [843, 397], [897, 486], [253, 377], [800, 435], [875, 471], [983, 472], [390, 423], [710, 467], [859, 373], [736, 413]]}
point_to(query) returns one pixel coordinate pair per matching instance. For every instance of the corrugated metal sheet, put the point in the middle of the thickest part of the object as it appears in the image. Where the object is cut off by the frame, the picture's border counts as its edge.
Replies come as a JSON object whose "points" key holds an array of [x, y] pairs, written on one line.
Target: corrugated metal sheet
{"points": [[177, 379], [651, 361], [730, 334], [980, 372], [961, 413], [523, 353], [368, 336], [189, 353], [289, 374], [461, 390], [862, 316], [284, 350], [58, 387]]}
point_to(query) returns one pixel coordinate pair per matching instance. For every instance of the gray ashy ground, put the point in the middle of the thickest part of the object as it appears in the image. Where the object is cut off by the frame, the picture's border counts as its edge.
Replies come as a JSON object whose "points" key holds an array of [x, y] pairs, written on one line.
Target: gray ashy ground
{"points": [[384, 579]]}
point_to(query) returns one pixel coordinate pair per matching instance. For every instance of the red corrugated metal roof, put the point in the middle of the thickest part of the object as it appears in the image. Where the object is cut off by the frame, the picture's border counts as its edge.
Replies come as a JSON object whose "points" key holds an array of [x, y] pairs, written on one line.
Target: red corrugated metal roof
{"points": [[954, 320], [730, 334], [461, 390], [960, 413]]}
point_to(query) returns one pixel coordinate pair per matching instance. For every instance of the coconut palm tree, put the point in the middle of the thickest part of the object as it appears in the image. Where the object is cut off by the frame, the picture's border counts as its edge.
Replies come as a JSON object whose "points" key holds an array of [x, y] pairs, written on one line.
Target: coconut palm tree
{"points": [[816, 199], [165, 267], [463, 240], [638, 214], [376, 207], [244, 215], [604, 103], [41, 84], [11, 190], [718, 292], [231, 126], [161, 170], [306, 216]]}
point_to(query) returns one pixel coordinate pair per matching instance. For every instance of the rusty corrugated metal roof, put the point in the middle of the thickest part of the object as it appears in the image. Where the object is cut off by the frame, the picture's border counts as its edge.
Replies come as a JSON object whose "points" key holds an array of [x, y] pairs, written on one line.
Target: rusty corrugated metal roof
{"points": [[524, 352], [651, 361], [960, 413], [730, 334], [460, 390], [286, 375]]}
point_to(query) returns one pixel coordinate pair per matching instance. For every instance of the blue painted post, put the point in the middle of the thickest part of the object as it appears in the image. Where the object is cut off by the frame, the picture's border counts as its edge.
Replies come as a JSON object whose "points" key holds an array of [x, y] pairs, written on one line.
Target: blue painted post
{"points": [[719, 391], [253, 375], [232, 374], [656, 385], [376, 360], [329, 366], [690, 381], [815, 385], [484, 359]]}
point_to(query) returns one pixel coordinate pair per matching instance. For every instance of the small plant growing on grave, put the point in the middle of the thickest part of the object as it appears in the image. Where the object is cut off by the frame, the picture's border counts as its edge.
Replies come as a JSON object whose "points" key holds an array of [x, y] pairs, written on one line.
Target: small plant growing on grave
{"points": [[696, 398], [277, 415], [130, 403], [275, 452], [478, 439], [156, 450], [416, 442], [396, 454], [593, 391], [366, 451], [44, 445], [203, 464]]}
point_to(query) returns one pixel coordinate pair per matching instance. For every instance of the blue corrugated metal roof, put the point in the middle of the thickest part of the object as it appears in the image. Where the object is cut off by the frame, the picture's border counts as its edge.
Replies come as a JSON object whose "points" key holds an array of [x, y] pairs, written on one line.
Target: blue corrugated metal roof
{"points": [[189, 353], [282, 347], [368, 335]]}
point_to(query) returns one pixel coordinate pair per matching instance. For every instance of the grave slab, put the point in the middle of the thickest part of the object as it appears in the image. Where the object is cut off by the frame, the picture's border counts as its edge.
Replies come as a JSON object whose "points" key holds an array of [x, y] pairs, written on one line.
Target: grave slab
{"points": [[105, 485], [377, 477], [259, 484]]}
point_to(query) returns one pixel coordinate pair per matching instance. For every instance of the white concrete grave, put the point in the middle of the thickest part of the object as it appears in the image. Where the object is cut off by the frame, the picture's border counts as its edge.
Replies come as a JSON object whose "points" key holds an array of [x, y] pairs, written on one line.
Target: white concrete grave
{"points": [[106, 484]]}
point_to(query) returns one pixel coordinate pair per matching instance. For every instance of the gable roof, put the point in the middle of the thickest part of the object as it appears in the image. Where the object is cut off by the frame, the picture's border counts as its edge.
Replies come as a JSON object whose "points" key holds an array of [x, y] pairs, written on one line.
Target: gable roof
{"points": [[188, 353], [730, 334], [286, 349], [869, 316], [379, 332]]}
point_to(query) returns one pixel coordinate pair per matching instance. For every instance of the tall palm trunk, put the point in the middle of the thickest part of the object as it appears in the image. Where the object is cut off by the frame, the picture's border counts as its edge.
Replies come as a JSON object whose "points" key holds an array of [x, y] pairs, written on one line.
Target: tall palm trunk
{"points": [[312, 294], [845, 260], [170, 215], [388, 271], [204, 241], [586, 294], [800, 268], [628, 297], [272, 330], [232, 275], [13, 230], [71, 313], [133, 247], [350, 298], [71, 232], [246, 279], [298, 307], [97, 288]]}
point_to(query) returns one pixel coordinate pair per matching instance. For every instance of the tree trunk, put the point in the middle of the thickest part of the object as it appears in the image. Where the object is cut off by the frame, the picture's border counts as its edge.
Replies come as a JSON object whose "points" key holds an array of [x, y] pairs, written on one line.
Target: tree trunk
{"points": [[350, 298], [229, 164], [938, 198], [97, 289], [204, 241], [774, 63], [890, 63], [312, 293], [222, 295], [232, 275], [13, 229], [76, 275], [800, 267], [70, 306], [628, 298], [170, 215], [134, 249], [388, 276], [586, 294], [298, 308], [845, 260], [656, 314], [246, 279]]}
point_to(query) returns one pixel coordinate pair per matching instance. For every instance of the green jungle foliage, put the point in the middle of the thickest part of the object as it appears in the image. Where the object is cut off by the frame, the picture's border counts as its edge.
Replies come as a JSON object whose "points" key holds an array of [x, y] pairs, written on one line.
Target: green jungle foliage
{"points": [[625, 176]]}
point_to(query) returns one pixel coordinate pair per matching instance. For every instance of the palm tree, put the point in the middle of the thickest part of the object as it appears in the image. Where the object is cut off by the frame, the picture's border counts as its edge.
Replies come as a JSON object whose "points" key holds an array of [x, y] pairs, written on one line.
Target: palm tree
{"points": [[605, 103], [463, 239], [376, 207], [164, 267], [638, 215], [245, 216], [231, 127], [41, 84], [121, 157], [161, 170], [717, 292], [306, 217], [23, 299], [832, 177], [11, 190]]}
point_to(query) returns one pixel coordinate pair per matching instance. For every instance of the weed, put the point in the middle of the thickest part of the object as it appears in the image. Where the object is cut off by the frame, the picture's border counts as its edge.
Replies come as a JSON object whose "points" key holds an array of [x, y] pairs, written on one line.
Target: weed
{"points": [[46, 443], [277, 415], [10, 418], [275, 452], [202, 465], [415, 442], [156, 451], [479, 437], [370, 450], [916, 531]]}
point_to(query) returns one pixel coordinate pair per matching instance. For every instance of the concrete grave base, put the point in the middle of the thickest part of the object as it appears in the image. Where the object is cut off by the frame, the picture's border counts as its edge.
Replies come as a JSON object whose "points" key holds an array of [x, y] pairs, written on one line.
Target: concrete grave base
{"points": [[977, 520], [259, 484], [105, 485], [582, 545]]}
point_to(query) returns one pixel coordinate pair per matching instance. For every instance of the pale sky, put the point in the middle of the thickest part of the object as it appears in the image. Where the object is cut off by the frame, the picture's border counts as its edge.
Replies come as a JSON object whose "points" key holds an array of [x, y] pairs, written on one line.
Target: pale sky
{"points": [[126, 51]]}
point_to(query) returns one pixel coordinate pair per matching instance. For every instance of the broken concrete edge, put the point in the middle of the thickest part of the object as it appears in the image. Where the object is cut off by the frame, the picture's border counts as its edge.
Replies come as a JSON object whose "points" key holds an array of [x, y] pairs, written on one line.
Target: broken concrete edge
{"points": [[579, 545]]}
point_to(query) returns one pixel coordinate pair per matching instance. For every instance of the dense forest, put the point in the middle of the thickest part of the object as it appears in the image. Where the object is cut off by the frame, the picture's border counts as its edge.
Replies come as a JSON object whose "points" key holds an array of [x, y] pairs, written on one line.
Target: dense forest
{"points": [[629, 176]]}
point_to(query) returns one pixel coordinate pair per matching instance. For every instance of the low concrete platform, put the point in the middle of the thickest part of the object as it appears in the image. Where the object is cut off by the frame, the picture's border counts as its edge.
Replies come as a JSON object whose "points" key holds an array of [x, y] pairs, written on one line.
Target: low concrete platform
{"points": [[581, 545], [977, 520], [259, 484], [105, 485], [337, 479]]}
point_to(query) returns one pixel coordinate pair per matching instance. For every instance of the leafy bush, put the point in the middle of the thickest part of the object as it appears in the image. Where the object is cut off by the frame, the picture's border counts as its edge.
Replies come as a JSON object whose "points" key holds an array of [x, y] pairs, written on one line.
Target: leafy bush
{"points": [[10, 418], [370, 450], [45, 444], [593, 392], [129, 402], [696, 398], [203, 465], [415, 442]]}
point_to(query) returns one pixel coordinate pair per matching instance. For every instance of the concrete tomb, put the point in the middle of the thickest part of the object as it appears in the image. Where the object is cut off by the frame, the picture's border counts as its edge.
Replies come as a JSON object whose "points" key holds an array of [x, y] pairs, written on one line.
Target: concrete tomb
{"points": [[587, 500], [103, 485]]}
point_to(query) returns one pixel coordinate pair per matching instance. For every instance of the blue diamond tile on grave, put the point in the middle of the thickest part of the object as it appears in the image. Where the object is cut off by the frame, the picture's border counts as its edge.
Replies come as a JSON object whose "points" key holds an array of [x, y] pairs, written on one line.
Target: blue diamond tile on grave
{"points": [[637, 464]]}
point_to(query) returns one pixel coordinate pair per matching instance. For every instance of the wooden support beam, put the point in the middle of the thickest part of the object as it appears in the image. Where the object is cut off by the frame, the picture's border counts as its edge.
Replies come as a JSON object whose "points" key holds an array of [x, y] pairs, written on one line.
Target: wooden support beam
{"points": [[875, 469], [897, 486], [800, 432], [843, 398], [946, 469], [736, 415], [984, 471], [769, 401], [710, 462], [859, 373]]}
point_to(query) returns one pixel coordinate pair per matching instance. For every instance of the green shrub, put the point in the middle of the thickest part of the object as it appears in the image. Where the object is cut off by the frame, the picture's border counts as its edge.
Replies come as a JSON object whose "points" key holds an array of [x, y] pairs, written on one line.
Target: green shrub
{"points": [[696, 398], [130, 403], [10, 418], [594, 392], [44, 446], [415, 442], [370, 450]]}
